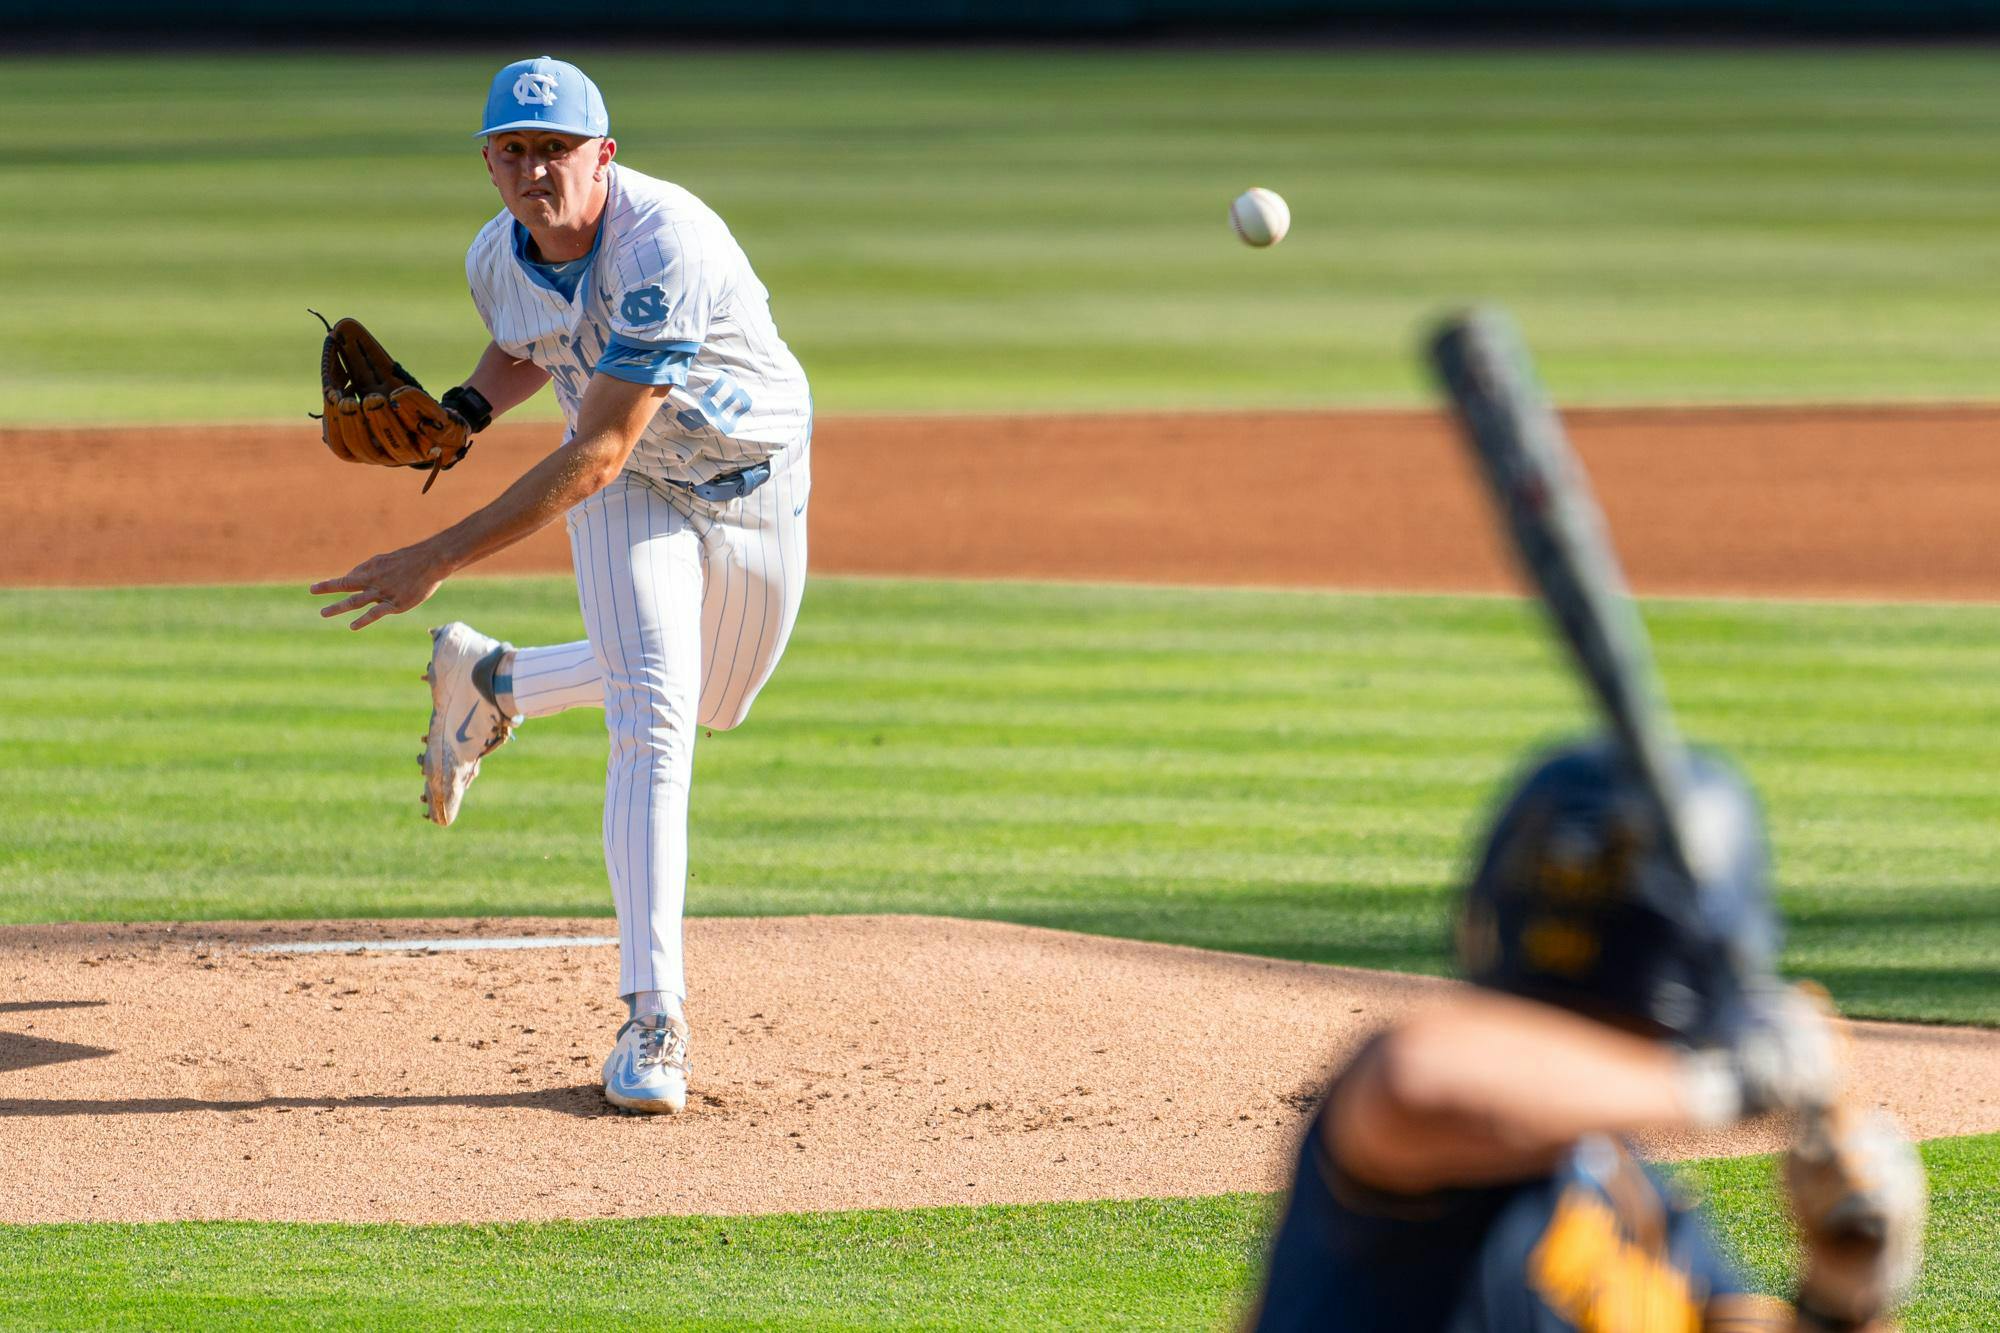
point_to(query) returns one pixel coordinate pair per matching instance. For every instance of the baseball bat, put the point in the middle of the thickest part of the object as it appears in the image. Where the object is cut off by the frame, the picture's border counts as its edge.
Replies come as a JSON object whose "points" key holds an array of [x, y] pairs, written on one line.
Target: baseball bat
{"points": [[1564, 546]]}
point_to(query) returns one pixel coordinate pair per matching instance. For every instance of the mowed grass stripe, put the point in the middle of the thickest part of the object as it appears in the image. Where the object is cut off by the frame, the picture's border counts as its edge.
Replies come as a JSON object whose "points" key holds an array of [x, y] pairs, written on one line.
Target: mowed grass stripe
{"points": [[1286, 773], [1163, 1263], [952, 230]]}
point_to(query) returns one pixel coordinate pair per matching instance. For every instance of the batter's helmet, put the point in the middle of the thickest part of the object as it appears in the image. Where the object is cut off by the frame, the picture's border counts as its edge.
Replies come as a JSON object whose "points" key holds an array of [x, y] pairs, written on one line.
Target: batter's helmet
{"points": [[1577, 904]]}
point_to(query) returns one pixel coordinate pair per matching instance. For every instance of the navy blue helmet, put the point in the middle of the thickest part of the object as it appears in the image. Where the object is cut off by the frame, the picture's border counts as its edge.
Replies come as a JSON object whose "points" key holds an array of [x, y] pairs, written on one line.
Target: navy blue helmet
{"points": [[1577, 902]]}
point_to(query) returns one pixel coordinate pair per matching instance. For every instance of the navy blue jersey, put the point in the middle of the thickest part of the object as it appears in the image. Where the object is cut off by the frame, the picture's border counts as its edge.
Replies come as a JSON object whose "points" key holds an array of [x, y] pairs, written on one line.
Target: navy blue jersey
{"points": [[1600, 1246]]}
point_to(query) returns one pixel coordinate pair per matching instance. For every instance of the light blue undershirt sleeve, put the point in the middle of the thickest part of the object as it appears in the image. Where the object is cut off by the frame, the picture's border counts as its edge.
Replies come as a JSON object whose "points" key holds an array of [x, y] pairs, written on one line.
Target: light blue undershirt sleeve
{"points": [[639, 363]]}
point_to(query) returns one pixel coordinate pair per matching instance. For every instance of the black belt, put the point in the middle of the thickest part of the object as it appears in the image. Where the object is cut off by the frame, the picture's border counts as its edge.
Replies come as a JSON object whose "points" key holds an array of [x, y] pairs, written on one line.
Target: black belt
{"points": [[729, 485]]}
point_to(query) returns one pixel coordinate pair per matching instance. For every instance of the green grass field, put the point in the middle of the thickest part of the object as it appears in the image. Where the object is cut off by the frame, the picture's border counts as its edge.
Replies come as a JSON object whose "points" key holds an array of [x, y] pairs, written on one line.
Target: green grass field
{"points": [[1171, 1264], [1035, 229], [1294, 774], [1291, 774]]}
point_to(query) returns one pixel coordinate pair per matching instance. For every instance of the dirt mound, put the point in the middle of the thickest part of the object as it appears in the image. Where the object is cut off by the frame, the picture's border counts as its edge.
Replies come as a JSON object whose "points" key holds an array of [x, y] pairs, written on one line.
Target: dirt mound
{"points": [[846, 1062]]}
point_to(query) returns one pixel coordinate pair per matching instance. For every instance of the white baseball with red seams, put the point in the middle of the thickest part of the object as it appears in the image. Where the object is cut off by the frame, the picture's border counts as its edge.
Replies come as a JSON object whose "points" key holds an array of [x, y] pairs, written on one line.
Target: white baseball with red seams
{"points": [[1260, 217]]}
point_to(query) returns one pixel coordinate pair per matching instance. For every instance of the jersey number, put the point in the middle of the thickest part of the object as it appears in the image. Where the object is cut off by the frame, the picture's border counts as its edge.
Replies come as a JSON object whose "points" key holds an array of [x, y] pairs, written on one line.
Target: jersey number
{"points": [[721, 407]]}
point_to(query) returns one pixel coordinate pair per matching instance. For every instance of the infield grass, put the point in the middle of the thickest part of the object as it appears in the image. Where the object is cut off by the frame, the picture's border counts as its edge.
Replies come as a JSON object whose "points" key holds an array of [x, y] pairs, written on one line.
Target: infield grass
{"points": [[1167, 1264], [1294, 774], [1046, 228]]}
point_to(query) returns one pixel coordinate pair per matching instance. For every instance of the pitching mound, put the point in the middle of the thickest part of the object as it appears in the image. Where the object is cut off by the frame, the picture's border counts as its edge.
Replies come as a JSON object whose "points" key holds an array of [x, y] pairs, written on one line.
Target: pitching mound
{"points": [[151, 1072]]}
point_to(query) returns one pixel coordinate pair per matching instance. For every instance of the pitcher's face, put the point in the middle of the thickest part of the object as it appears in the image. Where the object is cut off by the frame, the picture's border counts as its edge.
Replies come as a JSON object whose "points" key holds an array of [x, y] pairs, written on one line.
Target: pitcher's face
{"points": [[547, 179]]}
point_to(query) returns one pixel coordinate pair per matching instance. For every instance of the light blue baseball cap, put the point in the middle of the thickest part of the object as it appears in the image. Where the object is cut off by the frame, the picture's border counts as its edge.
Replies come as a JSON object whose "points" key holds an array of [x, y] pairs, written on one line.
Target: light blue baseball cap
{"points": [[545, 94]]}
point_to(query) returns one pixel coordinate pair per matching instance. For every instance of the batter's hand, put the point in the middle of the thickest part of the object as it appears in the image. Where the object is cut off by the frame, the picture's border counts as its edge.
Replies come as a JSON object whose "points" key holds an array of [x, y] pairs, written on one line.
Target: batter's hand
{"points": [[1857, 1192], [1789, 1055], [1792, 1053], [386, 584]]}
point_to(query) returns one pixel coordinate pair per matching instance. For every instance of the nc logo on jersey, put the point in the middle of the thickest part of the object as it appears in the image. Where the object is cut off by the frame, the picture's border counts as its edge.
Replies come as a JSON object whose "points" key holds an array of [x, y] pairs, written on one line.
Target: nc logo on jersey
{"points": [[647, 305], [535, 90]]}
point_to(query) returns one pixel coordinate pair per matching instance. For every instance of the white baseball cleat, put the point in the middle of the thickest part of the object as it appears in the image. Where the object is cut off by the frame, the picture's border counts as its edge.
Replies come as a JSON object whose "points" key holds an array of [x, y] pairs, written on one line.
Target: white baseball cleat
{"points": [[465, 726], [648, 1069]]}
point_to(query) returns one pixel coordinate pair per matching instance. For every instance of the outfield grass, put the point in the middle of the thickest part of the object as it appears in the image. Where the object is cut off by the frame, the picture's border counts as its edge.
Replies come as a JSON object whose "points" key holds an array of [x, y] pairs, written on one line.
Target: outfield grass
{"points": [[947, 231], [1168, 1264], [1293, 774]]}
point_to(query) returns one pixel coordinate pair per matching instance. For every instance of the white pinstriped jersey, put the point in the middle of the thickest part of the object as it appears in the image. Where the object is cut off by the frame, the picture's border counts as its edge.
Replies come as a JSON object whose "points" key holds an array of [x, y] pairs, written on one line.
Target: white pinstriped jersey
{"points": [[666, 275]]}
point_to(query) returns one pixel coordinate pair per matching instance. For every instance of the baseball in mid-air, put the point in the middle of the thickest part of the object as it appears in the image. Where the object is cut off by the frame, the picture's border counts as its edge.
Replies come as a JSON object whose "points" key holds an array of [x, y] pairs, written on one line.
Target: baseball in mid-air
{"points": [[1260, 217]]}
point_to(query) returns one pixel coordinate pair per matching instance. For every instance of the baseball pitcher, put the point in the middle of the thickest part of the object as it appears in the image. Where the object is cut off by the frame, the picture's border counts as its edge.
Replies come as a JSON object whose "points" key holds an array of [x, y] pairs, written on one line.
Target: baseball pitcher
{"points": [[683, 477]]}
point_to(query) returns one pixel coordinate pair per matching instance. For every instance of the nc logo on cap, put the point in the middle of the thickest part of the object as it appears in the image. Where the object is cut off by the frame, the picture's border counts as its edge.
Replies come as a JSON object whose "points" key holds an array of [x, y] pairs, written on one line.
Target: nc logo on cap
{"points": [[535, 90], [544, 94]]}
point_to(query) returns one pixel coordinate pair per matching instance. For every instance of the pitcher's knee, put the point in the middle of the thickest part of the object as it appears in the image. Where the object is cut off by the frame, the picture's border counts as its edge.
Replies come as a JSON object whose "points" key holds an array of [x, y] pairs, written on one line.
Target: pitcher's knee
{"points": [[647, 728], [728, 721], [727, 714], [650, 749]]}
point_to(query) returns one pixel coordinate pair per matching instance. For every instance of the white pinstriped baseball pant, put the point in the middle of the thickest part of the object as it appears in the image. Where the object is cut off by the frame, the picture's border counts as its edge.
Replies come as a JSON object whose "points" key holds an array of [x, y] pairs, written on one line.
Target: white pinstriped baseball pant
{"points": [[688, 604]]}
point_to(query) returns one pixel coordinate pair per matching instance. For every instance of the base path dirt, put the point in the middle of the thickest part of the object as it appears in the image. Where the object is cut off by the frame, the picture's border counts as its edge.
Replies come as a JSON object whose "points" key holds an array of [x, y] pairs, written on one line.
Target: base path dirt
{"points": [[172, 1072], [1867, 502]]}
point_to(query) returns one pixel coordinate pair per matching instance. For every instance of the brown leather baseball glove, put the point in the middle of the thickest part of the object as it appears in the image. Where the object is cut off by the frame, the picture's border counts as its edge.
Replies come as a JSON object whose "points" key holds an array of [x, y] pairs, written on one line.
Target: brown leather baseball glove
{"points": [[376, 412]]}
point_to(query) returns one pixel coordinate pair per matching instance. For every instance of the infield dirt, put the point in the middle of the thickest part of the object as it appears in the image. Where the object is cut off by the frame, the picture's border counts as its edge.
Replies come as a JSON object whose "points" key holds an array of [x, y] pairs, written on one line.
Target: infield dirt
{"points": [[168, 1072], [1875, 502]]}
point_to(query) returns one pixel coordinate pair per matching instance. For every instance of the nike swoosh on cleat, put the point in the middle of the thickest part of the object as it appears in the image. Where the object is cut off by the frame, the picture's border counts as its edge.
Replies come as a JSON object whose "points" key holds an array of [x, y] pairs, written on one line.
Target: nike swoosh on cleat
{"points": [[470, 713]]}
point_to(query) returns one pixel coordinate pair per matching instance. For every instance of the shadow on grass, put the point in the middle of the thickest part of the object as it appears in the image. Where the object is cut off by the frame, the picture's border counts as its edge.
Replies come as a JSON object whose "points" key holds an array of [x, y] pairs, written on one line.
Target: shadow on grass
{"points": [[1965, 995], [1920, 955], [1890, 908], [1392, 930], [1408, 930]]}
